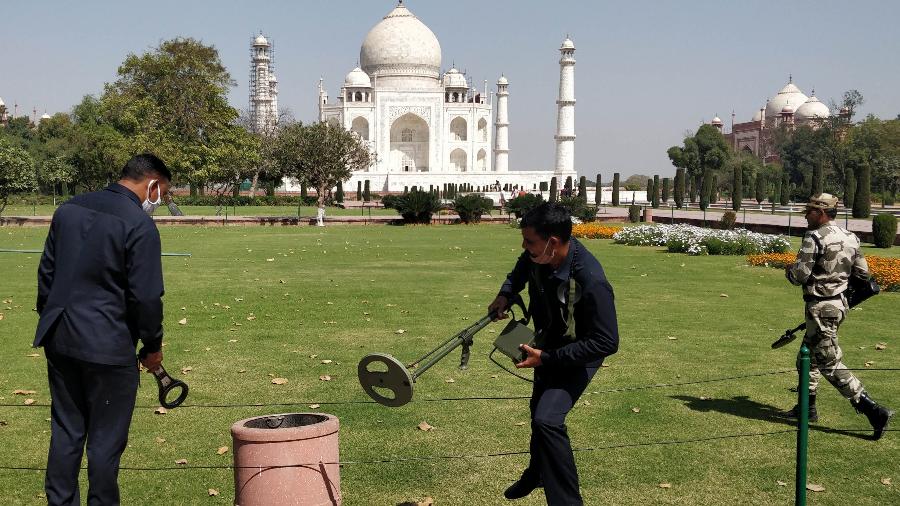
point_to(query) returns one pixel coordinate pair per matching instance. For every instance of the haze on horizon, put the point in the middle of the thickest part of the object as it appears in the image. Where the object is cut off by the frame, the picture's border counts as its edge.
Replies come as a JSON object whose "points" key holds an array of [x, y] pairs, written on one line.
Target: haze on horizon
{"points": [[647, 72]]}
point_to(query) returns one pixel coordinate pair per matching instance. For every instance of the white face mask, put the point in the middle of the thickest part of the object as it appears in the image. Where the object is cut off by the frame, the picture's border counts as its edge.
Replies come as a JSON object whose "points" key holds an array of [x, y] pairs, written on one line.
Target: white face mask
{"points": [[148, 206], [544, 258]]}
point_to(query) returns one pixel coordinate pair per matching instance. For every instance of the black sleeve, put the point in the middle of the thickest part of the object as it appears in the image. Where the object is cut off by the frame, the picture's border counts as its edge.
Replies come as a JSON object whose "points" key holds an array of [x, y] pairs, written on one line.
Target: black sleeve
{"points": [[46, 269], [515, 280], [597, 330], [145, 285]]}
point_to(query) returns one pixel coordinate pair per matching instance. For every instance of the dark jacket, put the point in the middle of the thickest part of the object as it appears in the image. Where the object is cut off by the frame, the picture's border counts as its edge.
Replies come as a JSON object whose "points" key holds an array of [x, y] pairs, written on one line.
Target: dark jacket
{"points": [[596, 327], [100, 279]]}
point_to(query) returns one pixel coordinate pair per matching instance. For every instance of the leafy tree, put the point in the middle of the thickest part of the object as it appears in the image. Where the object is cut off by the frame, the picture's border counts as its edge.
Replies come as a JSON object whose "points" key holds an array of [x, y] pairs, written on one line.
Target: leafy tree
{"points": [[713, 153], [615, 189], [56, 171], [635, 182], [98, 150], [321, 154], [17, 173]]}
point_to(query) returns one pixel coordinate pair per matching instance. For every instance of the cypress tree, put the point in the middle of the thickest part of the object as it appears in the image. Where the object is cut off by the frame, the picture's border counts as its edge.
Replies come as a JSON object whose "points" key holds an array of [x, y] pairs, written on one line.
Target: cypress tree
{"points": [[817, 177], [568, 186], [366, 195], [303, 192], [339, 194], [679, 188], [705, 189], [737, 188], [666, 187], [777, 196], [785, 187], [649, 189], [552, 190], [359, 190], [655, 200], [693, 188], [862, 201], [615, 189], [849, 188], [598, 192], [714, 189], [760, 187], [582, 189]]}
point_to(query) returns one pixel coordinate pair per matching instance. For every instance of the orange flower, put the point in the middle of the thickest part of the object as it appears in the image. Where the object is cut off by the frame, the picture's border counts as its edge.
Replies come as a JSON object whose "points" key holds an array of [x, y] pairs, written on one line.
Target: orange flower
{"points": [[886, 271], [594, 231]]}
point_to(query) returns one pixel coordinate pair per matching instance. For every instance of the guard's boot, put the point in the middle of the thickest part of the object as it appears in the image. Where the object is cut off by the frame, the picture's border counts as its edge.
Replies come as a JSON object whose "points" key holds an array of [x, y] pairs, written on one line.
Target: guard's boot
{"points": [[526, 485], [794, 413], [879, 416]]}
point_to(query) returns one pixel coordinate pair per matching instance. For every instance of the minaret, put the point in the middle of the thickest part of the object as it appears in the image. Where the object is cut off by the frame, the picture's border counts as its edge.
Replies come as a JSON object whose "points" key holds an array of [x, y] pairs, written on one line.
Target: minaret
{"points": [[4, 116], [565, 119], [263, 92], [323, 99], [501, 127]]}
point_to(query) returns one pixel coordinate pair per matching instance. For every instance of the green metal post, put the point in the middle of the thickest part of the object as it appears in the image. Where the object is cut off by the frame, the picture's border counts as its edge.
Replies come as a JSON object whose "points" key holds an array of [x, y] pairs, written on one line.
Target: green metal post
{"points": [[790, 210], [802, 428], [846, 226]]}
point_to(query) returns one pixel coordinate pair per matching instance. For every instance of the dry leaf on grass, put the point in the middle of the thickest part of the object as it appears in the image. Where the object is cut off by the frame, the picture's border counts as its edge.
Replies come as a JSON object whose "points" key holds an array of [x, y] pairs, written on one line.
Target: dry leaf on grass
{"points": [[212, 492], [781, 483], [161, 410], [812, 487], [182, 321], [29, 402], [636, 410], [880, 346], [185, 370], [33, 355], [313, 406], [886, 482], [424, 426], [671, 338], [326, 361], [665, 485], [520, 424], [869, 363], [160, 440], [725, 295], [325, 377], [222, 450], [450, 380], [181, 462], [279, 381], [399, 331], [24, 392]]}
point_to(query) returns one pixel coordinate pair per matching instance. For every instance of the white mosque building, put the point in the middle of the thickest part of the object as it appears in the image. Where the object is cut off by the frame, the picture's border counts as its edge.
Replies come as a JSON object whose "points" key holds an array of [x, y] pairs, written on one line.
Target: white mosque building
{"points": [[427, 129]]}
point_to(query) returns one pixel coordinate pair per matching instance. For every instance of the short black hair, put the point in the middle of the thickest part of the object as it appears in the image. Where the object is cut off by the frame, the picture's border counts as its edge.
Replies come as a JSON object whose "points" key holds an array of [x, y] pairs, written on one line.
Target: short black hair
{"points": [[831, 213], [144, 165], [549, 219]]}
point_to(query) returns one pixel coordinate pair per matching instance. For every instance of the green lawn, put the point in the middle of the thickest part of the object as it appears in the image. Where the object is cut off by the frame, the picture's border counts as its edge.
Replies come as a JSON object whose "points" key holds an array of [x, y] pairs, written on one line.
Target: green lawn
{"points": [[47, 210], [340, 293]]}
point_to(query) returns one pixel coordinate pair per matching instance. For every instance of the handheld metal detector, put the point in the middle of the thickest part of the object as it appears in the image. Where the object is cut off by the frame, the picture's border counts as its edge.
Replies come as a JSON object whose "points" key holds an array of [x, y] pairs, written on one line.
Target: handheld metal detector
{"points": [[858, 292], [167, 384]]}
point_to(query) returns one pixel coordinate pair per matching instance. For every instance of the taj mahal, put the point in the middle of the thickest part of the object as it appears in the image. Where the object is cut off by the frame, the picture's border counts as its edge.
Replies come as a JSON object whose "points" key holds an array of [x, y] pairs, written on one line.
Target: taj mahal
{"points": [[426, 128]]}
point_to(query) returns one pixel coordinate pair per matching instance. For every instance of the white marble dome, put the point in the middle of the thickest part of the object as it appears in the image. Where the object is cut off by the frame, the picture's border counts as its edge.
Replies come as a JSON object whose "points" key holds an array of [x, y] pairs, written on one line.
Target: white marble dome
{"points": [[717, 121], [757, 116], [790, 95], [401, 45], [503, 80], [455, 79], [812, 109], [357, 79], [260, 41], [567, 44]]}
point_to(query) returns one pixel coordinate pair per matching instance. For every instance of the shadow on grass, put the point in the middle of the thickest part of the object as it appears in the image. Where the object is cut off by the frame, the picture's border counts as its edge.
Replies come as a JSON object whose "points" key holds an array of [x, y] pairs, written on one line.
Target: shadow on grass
{"points": [[746, 407]]}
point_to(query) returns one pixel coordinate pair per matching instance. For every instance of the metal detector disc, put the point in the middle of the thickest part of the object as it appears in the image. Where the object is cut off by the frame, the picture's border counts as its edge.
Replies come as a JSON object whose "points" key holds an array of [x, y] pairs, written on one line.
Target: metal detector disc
{"points": [[378, 373], [562, 293]]}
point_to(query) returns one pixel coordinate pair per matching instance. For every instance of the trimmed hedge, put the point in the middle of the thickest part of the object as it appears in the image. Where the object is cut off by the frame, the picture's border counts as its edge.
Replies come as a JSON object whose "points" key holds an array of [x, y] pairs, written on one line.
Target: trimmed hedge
{"points": [[634, 213], [884, 229]]}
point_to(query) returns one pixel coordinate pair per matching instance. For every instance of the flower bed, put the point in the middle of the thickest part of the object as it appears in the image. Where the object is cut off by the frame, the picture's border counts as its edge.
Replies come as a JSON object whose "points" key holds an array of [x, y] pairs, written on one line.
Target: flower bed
{"points": [[702, 241], [594, 231], [886, 271]]}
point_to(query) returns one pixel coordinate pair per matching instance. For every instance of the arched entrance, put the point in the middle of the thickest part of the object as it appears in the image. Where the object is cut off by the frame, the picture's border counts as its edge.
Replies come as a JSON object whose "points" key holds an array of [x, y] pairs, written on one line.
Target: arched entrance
{"points": [[409, 144]]}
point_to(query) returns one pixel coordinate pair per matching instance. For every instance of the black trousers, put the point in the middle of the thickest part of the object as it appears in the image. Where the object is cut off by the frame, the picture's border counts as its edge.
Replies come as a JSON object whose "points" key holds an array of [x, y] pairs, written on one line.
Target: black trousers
{"points": [[554, 394], [90, 402]]}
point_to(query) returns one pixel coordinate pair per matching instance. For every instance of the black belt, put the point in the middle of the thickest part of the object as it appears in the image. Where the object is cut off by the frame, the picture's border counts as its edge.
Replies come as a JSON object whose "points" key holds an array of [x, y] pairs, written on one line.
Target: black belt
{"points": [[815, 298]]}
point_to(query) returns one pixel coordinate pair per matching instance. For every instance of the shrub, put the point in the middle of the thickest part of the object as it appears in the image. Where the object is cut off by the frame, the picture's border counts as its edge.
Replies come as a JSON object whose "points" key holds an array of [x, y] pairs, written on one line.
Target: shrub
{"points": [[634, 213], [578, 208], [416, 206], [884, 229], [728, 220], [700, 241], [520, 205], [594, 231], [388, 201], [470, 207]]}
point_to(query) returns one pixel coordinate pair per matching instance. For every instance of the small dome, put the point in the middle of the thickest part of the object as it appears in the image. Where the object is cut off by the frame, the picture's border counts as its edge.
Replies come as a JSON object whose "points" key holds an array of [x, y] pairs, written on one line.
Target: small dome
{"points": [[717, 121], [45, 116], [790, 95], [260, 41], [503, 80], [757, 116], [1, 102], [455, 79], [272, 78], [787, 110], [401, 45], [357, 79], [567, 44], [813, 109]]}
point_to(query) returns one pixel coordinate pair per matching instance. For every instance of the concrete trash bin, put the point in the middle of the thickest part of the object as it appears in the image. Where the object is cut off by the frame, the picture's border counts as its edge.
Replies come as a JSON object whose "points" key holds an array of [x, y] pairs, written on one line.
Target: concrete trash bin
{"points": [[286, 459]]}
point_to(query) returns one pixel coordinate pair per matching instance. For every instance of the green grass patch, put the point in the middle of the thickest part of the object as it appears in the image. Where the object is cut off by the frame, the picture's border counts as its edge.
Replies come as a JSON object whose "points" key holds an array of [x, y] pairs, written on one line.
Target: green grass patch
{"points": [[339, 293]]}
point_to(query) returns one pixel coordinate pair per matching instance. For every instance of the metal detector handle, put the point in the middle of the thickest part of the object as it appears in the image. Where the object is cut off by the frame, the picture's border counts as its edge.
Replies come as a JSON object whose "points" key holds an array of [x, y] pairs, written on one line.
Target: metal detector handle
{"points": [[166, 384], [788, 336], [468, 339]]}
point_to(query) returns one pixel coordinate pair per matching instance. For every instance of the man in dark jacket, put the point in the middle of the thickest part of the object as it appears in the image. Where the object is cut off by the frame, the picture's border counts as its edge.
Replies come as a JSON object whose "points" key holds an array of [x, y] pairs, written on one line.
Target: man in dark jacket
{"points": [[100, 290], [575, 320]]}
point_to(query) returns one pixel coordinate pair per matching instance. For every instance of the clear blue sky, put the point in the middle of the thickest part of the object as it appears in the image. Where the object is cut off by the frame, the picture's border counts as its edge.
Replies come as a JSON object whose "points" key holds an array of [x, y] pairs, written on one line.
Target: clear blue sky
{"points": [[646, 72]]}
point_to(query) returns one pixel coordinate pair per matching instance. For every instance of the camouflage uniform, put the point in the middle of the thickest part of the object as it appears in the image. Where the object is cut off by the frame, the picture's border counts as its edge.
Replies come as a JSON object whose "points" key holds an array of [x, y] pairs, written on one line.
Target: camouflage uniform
{"points": [[828, 257]]}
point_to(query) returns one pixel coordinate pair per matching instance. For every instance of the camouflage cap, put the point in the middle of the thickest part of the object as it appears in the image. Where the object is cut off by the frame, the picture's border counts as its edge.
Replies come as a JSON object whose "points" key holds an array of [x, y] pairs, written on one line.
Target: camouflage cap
{"points": [[822, 201]]}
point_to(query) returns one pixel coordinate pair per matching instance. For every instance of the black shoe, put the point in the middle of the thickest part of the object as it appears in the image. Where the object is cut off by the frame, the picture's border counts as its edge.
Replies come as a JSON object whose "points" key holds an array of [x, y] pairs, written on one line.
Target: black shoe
{"points": [[794, 413], [523, 487], [879, 416]]}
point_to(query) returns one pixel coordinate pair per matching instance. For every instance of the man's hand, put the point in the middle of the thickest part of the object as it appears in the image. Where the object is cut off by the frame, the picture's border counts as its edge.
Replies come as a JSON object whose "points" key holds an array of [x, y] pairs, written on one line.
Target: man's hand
{"points": [[532, 359], [500, 305], [152, 360]]}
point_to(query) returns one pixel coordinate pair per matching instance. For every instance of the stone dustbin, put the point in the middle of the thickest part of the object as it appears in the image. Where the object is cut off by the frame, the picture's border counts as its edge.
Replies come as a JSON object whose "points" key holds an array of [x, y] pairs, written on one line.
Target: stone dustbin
{"points": [[286, 459], [648, 215]]}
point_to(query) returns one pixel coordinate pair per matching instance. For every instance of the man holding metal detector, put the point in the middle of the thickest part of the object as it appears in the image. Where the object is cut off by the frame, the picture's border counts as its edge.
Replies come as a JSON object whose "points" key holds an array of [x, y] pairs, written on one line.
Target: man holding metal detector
{"points": [[574, 314], [100, 290], [828, 264]]}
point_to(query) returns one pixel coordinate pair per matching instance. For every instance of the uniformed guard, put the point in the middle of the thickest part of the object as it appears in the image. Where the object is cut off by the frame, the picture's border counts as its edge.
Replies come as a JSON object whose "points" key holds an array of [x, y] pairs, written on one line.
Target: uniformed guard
{"points": [[827, 259], [575, 320]]}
